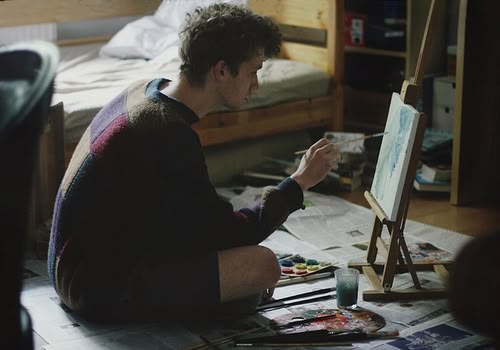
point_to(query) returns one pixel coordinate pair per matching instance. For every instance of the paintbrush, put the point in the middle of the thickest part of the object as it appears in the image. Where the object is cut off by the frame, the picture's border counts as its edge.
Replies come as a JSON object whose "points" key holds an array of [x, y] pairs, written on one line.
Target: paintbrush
{"points": [[303, 295], [315, 336], [292, 345], [210, 344], [347, 141], [300, 322], [278, 305], [279, 302]]}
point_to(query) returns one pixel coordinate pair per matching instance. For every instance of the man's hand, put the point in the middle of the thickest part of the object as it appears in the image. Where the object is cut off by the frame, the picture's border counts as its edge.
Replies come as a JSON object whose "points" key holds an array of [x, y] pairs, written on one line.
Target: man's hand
{"points": [[316, 163]]}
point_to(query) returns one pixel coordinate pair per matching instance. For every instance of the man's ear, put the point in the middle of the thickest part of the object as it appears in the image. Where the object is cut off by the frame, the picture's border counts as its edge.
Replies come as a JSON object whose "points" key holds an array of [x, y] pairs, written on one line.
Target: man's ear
{"points": [[220, 69]]}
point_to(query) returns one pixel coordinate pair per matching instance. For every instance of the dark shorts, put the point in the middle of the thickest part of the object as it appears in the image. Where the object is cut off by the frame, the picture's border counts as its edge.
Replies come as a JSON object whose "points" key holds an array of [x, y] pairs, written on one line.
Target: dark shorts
{"points": [[149, 288]]}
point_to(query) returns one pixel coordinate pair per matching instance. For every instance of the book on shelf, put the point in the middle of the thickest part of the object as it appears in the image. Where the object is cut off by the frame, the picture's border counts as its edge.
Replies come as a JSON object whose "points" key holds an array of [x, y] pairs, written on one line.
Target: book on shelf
{"points": [[440, 173], [421, 184]]}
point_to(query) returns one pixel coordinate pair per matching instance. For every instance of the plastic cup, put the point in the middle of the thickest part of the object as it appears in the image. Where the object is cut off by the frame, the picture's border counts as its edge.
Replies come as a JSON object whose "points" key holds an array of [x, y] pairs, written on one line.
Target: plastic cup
{"points": [[347, 287]]}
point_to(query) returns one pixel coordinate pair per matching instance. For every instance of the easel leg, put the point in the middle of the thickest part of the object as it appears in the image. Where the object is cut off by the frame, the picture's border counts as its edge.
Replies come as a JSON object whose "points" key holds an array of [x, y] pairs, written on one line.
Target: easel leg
{"points": [[391, 260], [404, 247], [409, 263], [372, 247]]}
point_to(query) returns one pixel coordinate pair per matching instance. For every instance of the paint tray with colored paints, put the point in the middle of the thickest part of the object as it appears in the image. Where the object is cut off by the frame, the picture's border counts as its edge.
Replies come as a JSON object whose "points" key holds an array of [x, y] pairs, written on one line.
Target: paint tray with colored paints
{"points": [[296, 265]]}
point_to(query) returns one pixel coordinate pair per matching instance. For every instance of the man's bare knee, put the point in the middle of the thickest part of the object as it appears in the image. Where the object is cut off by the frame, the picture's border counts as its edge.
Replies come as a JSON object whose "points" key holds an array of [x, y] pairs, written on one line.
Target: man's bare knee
{"points": [[269, 266], [246, 271]]}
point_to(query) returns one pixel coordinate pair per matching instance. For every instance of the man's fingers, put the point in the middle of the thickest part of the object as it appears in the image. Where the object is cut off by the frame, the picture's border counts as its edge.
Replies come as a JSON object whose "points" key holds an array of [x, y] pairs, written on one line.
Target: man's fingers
{"points": [[319, 144]]}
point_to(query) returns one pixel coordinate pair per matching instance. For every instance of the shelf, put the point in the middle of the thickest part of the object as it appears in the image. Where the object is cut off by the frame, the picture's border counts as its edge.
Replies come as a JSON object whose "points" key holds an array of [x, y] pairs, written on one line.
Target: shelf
{"points": [[376, 52]]}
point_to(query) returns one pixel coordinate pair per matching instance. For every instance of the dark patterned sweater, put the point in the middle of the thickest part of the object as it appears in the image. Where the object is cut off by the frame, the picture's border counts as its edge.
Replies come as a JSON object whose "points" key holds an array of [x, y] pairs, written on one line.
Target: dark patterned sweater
{"points": [[138, 185]]}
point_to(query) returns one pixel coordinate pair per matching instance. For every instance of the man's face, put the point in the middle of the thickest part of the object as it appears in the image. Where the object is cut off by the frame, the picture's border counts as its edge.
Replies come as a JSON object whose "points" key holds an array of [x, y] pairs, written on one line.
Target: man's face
{"points": [[235, 90]]}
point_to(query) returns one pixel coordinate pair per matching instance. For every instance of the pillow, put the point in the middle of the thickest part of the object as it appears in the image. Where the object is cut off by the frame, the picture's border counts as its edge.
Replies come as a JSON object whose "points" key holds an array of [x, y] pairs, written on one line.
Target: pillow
{"points": [[172, 13], [148, 36], [144, 38]]}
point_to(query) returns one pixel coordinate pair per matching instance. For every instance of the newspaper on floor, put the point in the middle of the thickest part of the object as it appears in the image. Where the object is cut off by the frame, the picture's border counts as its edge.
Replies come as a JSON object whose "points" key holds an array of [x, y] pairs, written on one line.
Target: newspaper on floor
{"points": [[329, 229], [329, 222], [442, 333], [51, 319]]}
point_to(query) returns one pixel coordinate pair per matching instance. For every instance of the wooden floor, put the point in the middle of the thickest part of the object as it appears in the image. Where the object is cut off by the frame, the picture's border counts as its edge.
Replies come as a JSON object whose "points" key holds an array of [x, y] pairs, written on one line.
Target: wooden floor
{"points": [[435, 209]]}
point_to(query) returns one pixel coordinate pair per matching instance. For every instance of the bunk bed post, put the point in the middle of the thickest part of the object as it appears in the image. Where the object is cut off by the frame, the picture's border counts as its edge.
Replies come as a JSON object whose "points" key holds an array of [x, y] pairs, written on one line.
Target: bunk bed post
{"points": [[335, 46]]}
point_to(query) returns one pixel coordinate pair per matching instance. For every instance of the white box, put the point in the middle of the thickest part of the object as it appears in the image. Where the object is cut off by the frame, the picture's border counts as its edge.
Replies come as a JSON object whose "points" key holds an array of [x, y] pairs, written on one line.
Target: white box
{"points": [[442, 117], [444, 91], [443, 103]]}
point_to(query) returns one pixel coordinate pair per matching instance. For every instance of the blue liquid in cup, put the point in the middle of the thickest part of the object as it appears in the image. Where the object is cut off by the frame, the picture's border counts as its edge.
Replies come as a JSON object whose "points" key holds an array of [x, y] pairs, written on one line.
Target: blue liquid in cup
{"points": [[347, 294], [347, 287]]}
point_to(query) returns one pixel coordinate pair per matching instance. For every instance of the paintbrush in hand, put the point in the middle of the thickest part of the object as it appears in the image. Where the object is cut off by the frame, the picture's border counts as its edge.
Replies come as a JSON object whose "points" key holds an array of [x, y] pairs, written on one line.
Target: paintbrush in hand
{"points": [[351, 140]]}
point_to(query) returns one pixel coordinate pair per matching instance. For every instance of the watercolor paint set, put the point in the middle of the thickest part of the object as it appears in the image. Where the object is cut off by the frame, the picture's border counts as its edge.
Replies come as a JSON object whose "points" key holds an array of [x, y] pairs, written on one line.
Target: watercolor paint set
{"points": [[293, 265]]}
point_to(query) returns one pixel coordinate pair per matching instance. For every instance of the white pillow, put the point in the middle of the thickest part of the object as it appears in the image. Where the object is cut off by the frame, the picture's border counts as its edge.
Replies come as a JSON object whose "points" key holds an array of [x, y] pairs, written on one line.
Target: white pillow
{"points": [[144, 38], [148, 36], [172, 13]]}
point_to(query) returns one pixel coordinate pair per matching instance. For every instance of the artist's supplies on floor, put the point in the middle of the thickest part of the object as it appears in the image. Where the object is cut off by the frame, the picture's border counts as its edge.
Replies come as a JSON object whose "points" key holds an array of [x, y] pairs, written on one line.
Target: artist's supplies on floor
{"points": [[302, 298], [278, 305], [315, 337], [210, 344], [347, 286], [297, 265], [329, 319], [302, 321], [285, 281]]}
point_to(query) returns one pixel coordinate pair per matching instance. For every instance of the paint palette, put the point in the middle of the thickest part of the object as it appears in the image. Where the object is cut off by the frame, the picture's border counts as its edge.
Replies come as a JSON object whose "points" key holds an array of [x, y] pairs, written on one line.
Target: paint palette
{"points": [[331, 319], [296, 265]]}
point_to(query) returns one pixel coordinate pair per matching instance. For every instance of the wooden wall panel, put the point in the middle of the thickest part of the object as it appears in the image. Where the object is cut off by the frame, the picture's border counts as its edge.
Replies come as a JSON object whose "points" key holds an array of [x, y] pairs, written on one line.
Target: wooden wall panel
{"points": [[316, 56], [310, 13], [25, 12]]}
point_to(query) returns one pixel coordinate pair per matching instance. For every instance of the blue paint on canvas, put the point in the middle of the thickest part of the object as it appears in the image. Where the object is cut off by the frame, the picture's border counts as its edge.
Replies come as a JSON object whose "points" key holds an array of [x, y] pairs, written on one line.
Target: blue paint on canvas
{"points": [[394, 156]]}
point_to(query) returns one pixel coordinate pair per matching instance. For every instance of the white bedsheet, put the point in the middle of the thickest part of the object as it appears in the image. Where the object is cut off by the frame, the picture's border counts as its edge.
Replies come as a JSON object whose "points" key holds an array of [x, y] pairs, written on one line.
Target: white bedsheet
{"points": [[86, 81]]}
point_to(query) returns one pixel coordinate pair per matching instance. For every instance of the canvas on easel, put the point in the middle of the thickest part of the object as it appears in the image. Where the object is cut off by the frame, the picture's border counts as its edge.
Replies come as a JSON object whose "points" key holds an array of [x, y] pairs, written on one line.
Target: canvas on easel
{"points": [[394, 156], [389, 195]]}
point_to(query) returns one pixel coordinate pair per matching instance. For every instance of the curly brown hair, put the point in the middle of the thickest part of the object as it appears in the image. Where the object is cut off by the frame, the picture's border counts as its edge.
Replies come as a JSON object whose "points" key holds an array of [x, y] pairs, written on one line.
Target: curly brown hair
{"points": [[225, 32]]}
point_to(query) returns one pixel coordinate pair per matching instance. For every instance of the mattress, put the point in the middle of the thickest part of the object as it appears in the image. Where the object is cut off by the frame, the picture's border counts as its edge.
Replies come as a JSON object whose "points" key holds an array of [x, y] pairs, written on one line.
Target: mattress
{"points": [[86, 81]]}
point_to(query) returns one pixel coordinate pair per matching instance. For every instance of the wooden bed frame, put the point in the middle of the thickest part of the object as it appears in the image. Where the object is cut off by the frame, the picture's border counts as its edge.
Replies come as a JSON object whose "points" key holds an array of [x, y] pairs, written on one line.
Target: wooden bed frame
{"points": [[321, 15]]}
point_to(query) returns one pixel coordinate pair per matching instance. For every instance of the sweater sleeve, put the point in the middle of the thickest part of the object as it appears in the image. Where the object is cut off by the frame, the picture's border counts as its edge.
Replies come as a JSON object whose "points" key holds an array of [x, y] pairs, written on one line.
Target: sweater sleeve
{"points": [[200, 217]]}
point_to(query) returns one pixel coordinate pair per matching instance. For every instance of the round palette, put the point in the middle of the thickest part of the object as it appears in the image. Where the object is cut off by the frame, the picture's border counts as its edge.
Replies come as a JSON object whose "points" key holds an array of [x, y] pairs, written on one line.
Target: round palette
{"points": [[296, 265], [341, 319]]}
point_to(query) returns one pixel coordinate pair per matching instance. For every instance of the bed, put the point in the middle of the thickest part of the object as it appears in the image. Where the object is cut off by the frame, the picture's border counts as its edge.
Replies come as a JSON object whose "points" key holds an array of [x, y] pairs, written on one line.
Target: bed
{"points": [[86, 81], [301, 89]]}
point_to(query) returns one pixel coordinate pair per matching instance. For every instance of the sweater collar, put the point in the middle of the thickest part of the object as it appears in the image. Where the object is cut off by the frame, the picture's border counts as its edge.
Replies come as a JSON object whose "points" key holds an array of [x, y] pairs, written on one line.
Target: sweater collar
{"points": [[153, 91]]}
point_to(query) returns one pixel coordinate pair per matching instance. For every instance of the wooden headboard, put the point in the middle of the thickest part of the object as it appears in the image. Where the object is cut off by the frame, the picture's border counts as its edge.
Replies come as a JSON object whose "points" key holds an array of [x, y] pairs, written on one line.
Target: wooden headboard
{"points": [[25, 12], [326, 16]]}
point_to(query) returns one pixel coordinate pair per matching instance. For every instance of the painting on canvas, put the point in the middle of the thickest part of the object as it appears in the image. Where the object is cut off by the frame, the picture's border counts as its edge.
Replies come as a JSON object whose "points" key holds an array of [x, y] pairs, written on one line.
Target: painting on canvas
{"points": [[394, 156]]}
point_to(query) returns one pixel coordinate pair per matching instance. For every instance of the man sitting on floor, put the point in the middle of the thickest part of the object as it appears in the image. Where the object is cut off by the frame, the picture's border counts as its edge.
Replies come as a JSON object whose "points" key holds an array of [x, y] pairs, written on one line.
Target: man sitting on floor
{"points": [[139, 232]]}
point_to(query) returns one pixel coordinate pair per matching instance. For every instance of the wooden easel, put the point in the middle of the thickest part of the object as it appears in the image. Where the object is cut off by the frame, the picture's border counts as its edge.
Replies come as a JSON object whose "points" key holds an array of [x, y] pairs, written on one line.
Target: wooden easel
{"points": [[396, 254]]}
